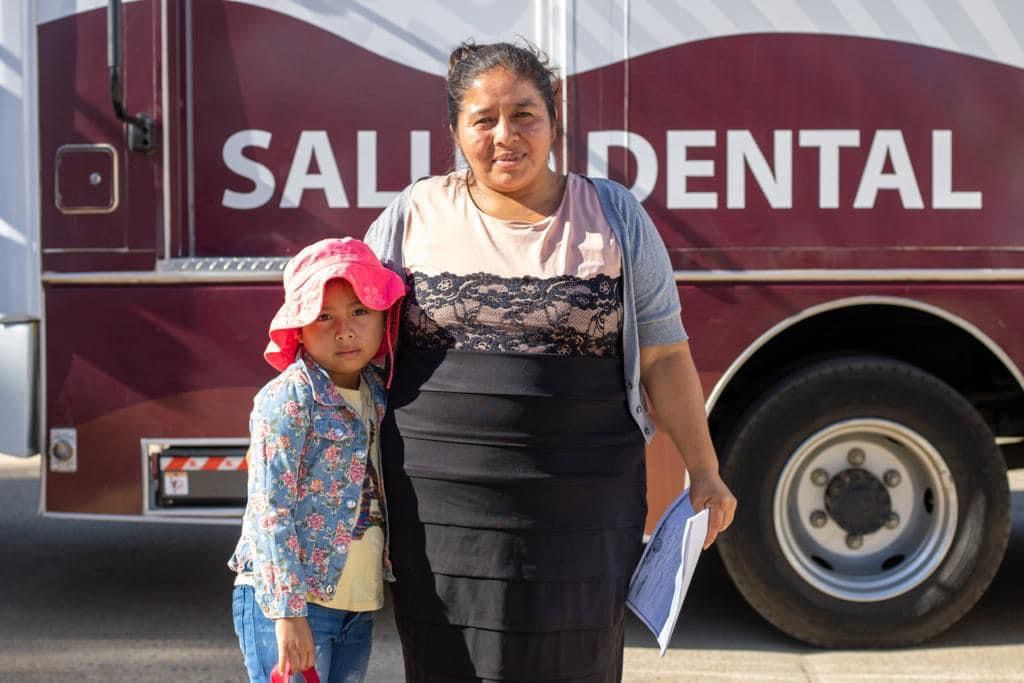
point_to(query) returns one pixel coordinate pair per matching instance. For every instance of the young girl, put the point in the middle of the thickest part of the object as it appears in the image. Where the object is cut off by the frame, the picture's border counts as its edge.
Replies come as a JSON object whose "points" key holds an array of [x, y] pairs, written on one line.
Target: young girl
{"points": [[312, 556]]}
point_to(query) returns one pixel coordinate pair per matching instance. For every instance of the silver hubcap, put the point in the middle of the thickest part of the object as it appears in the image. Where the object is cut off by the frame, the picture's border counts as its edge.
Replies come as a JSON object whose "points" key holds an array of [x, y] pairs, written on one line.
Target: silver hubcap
{"points": [[865, 510]]}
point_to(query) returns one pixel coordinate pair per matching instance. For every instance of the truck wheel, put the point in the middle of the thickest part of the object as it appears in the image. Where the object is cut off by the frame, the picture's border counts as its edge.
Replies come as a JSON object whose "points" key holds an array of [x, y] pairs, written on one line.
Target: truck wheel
{"points": [[874, 507]]}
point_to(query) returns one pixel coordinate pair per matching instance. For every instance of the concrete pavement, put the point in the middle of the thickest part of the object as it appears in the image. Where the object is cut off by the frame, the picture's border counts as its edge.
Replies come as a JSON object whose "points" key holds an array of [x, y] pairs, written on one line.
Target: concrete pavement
{"points": [[100, 601]]}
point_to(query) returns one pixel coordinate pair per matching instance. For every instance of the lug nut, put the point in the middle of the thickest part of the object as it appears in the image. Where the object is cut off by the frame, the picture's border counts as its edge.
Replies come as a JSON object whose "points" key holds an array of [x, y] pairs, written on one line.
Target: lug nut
{"points": [[892, 478], [854, 541], [892, 520], [855, 457], [819, 519], [819, 477]]}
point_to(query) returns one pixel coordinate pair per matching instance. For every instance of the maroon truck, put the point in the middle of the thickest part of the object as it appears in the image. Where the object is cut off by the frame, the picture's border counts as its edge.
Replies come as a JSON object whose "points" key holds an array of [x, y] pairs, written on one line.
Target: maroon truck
{"points": [[836, 184]]}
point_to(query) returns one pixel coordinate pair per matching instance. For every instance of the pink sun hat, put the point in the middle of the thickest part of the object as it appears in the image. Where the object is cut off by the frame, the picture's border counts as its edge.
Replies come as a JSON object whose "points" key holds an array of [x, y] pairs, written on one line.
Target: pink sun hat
{"points": [[306, 275]]}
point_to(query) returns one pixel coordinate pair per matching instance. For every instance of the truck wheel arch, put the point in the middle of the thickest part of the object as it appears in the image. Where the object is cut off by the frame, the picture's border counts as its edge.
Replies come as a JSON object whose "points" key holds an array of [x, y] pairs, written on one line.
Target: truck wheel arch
{"points": [[745, 377]]}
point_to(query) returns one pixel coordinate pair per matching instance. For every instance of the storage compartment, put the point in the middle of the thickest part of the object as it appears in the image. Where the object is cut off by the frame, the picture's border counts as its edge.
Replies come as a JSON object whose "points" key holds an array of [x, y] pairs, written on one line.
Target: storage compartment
{"points": [[86, 179], [196, 478]]}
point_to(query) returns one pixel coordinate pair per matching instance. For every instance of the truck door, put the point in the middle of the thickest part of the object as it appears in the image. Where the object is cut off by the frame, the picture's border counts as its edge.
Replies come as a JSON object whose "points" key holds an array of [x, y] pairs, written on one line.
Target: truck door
{"points": [[101, 204], [102, 214]]}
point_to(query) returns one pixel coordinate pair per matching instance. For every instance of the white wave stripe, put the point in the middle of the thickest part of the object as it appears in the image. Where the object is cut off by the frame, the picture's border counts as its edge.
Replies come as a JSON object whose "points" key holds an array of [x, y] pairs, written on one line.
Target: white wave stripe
{"points": [[7, 232], [994, 28], [860, 20], [10, 80], [48, 10], [664, 29], [926, 25], [786, 15], [10, 43], [707, 15], [420, 34], [374, 26], [599, 30], [921, 22]]}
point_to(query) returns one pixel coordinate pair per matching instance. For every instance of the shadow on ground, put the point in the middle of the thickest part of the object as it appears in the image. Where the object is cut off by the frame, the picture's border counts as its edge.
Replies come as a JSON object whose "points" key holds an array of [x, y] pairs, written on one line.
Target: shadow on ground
{"points": [[87, 601]]}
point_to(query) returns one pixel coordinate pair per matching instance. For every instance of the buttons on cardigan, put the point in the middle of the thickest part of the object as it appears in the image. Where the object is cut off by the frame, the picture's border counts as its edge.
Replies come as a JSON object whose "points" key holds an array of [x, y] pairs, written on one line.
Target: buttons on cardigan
{"points": [[629, 384], [329, 590], [350, 504]]}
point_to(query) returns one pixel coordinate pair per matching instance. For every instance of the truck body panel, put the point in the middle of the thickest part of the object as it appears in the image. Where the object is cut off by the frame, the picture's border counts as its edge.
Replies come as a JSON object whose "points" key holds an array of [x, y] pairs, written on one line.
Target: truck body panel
{"points": [[830, 179]]}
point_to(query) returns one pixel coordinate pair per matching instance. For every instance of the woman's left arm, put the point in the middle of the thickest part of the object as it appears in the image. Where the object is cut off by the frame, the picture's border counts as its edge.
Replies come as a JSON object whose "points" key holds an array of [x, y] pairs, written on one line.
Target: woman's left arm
{"points": [[670, 378]]}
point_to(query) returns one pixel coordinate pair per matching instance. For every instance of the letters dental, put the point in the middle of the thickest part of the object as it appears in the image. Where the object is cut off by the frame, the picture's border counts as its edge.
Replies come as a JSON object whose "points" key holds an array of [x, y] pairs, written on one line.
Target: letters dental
{"points": [[888, 167]]}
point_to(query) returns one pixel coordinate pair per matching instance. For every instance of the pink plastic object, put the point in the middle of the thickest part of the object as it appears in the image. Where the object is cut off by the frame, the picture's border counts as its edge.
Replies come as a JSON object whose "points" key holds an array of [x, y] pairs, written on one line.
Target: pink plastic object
{"points": [[309, 674]]}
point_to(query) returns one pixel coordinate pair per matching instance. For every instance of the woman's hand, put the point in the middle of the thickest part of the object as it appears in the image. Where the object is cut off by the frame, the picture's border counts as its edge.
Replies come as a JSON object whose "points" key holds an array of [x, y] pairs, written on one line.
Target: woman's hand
{"points": [[294, 644], [673, 386], [709, 492]]}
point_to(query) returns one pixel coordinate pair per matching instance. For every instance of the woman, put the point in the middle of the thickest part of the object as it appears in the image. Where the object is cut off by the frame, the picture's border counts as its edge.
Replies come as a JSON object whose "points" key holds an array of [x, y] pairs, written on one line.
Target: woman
{"points": [[542, 306]]}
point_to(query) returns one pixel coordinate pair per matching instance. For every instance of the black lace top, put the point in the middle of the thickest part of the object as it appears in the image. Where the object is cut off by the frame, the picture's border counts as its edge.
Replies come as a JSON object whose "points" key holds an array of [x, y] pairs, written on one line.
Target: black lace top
{"points": [[482, 312]]}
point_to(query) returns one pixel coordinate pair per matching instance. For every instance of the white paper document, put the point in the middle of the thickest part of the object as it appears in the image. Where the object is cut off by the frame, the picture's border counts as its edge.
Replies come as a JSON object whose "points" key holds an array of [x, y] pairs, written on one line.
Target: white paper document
{"points": [[662, 577]]}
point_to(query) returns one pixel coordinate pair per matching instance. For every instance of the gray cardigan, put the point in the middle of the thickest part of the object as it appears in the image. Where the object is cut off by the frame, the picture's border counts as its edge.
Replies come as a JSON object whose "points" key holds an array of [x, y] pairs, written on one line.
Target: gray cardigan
{"points": [[650, 299]]}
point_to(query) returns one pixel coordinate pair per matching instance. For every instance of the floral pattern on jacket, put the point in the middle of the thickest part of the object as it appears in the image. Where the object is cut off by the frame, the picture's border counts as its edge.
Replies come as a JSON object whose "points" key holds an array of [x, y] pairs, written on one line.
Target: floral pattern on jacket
{"points": [[307, 462]]}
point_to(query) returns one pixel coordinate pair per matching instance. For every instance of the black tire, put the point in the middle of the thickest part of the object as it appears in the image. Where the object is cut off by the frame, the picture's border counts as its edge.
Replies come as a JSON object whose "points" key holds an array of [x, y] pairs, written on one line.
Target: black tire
{"points": [[940, 542]]}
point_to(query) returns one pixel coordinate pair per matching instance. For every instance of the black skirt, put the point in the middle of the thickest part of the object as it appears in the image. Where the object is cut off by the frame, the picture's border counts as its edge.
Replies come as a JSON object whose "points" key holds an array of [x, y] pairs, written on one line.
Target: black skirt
{"points": [[517, 496]]}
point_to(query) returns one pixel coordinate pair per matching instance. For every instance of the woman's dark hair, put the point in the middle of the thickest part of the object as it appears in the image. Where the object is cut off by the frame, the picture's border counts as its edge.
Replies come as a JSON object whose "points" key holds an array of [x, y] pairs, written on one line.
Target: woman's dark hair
{"points": [[469, 60]]}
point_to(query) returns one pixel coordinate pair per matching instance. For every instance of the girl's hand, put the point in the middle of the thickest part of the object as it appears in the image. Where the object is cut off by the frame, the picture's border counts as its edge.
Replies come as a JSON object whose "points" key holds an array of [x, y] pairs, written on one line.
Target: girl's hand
{"points": [[294, 644], [708, 491]]}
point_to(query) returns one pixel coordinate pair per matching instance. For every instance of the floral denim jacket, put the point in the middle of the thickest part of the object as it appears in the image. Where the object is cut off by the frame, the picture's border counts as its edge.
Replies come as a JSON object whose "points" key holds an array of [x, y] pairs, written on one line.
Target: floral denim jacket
{"points": [[307, 463]]}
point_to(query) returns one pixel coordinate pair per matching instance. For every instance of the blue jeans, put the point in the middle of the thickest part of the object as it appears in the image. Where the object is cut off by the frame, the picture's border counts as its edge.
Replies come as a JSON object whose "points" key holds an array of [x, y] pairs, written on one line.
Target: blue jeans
{"points": [[342, 640]]}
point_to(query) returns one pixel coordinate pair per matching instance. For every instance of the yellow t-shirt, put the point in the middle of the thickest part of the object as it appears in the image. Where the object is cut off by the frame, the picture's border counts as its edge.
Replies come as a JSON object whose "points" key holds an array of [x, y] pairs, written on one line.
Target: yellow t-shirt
{"points": [[361, 587]]}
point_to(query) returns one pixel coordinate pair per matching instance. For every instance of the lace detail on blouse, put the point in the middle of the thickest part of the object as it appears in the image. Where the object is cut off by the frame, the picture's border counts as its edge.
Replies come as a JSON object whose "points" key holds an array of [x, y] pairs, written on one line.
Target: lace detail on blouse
{"points": [[565, 315]]}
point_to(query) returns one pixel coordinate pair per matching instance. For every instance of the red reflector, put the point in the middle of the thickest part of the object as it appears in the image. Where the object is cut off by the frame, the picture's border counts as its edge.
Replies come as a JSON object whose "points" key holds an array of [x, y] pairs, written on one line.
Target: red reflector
{"points": [[180, 463]]}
